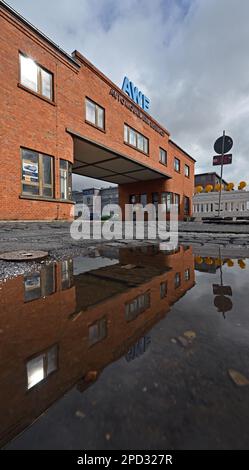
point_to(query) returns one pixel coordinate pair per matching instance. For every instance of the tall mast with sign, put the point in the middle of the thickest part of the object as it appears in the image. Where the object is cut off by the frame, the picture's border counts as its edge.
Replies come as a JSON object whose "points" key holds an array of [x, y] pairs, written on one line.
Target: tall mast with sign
{"points": [[222, 145]]}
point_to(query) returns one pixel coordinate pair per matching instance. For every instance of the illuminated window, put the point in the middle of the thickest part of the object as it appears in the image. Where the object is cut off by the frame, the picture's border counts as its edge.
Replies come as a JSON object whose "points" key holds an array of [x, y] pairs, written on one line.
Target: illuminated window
{"points": [[177, 164], [163, 156], [97, 331], [35, 77], [135, 139], [37, 174], [95, 114], [41, 366], [65, 179]]}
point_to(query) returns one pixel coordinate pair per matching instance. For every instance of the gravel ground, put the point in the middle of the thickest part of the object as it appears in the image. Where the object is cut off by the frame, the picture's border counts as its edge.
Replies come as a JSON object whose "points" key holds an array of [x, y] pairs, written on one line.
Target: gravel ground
{"points": [[55, 238]]}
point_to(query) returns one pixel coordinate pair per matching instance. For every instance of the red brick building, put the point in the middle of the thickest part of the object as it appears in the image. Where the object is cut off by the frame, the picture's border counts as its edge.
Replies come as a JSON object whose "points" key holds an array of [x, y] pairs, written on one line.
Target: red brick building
{"points": [[58, 115]]}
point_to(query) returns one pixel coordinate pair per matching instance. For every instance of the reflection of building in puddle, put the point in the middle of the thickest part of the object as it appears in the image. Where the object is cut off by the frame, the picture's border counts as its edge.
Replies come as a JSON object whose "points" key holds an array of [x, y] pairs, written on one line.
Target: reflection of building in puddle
{"points": [[59, 330]]}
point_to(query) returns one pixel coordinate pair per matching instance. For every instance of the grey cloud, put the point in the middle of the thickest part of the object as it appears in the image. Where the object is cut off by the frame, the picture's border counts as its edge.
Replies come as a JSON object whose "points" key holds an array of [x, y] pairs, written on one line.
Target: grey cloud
{"points": [[190, 57]]}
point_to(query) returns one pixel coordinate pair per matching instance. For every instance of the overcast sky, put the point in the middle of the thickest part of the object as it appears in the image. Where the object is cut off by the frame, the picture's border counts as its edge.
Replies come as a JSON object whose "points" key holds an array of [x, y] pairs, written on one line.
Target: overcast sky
{"points": [[190, 57]]}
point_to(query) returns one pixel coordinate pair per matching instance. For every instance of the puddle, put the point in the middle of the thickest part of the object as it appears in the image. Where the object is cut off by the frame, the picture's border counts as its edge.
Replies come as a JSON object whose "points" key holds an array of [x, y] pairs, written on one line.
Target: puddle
{"points": [[126, 349]]}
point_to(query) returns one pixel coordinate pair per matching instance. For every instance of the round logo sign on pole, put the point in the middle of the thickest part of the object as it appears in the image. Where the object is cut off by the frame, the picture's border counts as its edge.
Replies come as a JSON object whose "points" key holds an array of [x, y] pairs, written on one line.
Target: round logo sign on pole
{"points": [[228, 143]]}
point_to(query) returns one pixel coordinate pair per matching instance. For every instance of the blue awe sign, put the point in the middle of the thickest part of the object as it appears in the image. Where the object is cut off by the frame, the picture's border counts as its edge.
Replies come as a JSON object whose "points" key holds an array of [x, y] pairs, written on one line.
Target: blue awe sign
{"points": [[135, 94]]}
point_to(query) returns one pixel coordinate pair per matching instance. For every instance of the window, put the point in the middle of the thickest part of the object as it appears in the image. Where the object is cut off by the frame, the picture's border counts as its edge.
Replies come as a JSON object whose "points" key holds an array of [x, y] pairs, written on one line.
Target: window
{"points": [[177, 164], [135, 139], [65, 179], [41, 284], [187, 274], [37, 174], [163, 156], [97, 331], [137, 306], [143, 199], [177, 201], [186, 205], [95, 114], [177, 280], [187, 171], [163, 289], [166, 199], [35, 77], [40, 367], [66, 274], [132, 199]]}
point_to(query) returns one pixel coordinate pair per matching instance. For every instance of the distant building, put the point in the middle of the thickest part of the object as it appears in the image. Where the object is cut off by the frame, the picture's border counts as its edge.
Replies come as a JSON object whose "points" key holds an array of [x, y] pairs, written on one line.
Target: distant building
{"points": [[77, 197], [202, 179], [108, 196], [233, 204]]}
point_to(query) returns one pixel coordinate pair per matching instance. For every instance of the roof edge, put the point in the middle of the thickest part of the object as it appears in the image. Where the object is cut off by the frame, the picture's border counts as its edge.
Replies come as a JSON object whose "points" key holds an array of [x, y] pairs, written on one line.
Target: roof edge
{"points": [[180, 148], [55, 46]]}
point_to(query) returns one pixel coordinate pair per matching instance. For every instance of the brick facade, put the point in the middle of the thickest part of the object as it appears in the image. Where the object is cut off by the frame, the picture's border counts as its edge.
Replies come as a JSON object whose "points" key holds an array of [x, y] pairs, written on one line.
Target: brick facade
{"points": [[27, 120]]}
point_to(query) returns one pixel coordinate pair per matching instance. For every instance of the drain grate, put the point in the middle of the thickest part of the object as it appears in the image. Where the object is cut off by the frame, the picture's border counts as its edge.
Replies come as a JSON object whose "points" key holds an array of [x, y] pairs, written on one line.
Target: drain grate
{"points": [[22, 255]]}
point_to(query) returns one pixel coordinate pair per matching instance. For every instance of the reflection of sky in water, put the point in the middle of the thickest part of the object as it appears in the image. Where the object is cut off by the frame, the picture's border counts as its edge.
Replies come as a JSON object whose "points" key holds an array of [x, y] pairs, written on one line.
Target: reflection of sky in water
{"points": [[151, 365], [200, 302]]}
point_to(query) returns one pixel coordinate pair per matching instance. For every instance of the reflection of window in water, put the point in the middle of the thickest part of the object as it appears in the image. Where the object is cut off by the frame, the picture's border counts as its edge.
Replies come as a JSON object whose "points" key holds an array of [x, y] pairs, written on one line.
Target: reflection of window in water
{"points": [[177, 280], [187, 274], [32, 287], [97, 331], [42, 284], [137, 306], [163, 289], [66, 274], [41, 366]]}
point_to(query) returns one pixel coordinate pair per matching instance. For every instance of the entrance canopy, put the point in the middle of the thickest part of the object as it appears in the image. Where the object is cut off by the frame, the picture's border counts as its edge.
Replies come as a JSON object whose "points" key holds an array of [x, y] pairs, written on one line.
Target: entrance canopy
{"points": [[97, 161]]}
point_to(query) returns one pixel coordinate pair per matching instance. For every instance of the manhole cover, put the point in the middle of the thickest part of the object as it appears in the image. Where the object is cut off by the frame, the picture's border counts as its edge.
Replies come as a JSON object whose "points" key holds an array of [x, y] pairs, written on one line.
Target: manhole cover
{"points": [[23, 255]]}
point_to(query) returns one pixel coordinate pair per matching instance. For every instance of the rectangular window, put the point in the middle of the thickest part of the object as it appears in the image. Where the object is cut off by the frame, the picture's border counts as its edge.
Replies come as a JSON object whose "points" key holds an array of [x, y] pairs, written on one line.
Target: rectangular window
{"points": [[177, 164], [163, 156], [135, 139], [137, 306], [143, 199], [177, 201], [166, 199], [95, 114], [187, 170], [177, 280], [65, 180], [39, 284], [37, 174], [186, 205], [35, 77], [187, 274], [97, 331], [41, 366], [163, 289], [66, 274]]}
